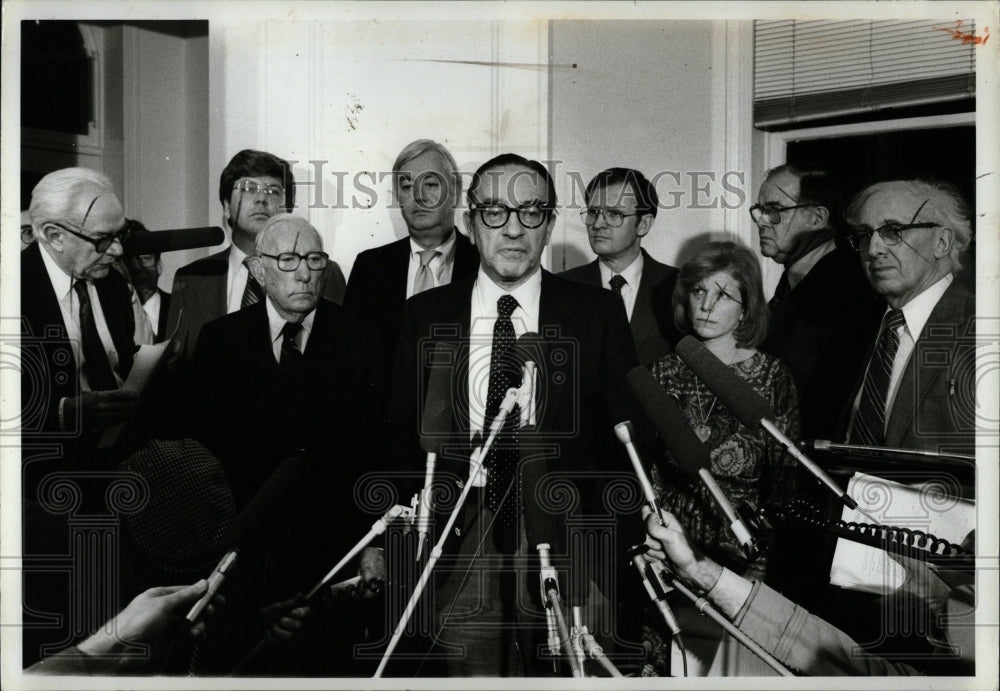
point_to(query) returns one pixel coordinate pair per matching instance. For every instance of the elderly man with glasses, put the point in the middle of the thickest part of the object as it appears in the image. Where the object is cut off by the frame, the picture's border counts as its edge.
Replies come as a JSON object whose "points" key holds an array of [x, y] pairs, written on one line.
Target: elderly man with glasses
{"points": [[823, 314], [620, 212], [916, 390]]}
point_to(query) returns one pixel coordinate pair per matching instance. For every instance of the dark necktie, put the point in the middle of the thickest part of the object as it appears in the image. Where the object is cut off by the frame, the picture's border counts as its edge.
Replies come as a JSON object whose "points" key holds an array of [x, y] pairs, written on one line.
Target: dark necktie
{"points": [[291, 356], [781, 292], [869, 424], [616, 283], [96, 365], [502, 458], [253, 292]]}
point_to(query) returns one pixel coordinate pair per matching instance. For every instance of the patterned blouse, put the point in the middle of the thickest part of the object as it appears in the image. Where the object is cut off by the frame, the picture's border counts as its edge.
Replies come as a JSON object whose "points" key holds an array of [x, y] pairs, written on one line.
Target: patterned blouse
{"points": [[747, 464]]}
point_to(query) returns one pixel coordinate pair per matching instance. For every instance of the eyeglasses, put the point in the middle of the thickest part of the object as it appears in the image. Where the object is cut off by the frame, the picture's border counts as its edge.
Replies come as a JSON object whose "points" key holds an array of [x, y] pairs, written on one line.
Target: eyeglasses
{"points": [[289, 261], [271, 192], [496, 215], [891, 233], [613, 217], [772, 212], [101, 244]]}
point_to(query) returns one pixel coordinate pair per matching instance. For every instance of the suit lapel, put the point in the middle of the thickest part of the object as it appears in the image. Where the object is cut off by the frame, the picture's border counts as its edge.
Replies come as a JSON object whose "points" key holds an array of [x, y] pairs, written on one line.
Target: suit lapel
{"points": [[642, 321], [554, 309]]}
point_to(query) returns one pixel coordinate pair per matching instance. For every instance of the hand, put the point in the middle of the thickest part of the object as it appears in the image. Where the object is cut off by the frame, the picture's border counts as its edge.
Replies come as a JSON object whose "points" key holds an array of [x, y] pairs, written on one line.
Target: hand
{"points": [[145, 619], [97, 409], [669, 543], [285, 619], [371, 570]]}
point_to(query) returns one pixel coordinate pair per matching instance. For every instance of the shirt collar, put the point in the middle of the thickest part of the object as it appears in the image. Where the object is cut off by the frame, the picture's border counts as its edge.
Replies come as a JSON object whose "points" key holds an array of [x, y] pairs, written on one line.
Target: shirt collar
{"points": [[446, 248], [804, 264], [632, 273], [236, 257], [276, 322], [61, 281], [527, 294], [918, 310]]}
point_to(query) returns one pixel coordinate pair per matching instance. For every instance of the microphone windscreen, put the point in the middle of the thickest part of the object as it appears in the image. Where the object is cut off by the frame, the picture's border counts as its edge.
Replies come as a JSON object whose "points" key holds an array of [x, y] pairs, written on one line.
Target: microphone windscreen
{"points": [[435, 424], [539, 524], [267, 512], [690, 454], [733, 391], [159, 241]]}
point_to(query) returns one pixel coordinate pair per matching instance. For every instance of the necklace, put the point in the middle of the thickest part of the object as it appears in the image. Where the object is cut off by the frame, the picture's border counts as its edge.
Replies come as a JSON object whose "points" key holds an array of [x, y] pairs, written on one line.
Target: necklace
{"points": [[702, 430]]}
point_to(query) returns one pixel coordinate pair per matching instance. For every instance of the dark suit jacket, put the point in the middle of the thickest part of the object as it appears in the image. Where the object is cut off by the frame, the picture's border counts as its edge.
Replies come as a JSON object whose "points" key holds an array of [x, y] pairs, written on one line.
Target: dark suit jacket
{"points": [[821, 331], [376, 294], [586, 353], [652, 320], [250, 416], [934, 405], [199, 295]]}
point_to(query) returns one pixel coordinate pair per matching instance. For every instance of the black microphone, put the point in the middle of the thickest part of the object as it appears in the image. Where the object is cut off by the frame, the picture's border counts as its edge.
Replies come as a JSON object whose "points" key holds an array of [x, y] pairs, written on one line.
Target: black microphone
{"points": [[690, 454], [434, 428], [748, 406], [159, 241]]}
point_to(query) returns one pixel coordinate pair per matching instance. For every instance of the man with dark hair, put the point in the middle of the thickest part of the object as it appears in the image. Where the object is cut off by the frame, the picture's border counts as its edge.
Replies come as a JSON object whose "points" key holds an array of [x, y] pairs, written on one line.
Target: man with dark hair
{"points": [[254, 186], [144, 271], [621, 209], [823, 313], [557, 439], [426, 186]]}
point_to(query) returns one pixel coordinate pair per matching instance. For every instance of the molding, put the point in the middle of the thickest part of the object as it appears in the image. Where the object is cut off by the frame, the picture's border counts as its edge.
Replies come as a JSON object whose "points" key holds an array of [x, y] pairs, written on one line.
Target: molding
{"points": [[131, 119], [738, 153]]}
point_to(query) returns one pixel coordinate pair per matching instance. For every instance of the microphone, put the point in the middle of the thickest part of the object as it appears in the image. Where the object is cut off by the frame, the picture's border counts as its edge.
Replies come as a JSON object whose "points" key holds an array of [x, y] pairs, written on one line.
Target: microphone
{"points": [[690, 454], [625, 432], [214, 583], [159, 241], [654, 588], [434, 427], [528, 352], [748, 406]]}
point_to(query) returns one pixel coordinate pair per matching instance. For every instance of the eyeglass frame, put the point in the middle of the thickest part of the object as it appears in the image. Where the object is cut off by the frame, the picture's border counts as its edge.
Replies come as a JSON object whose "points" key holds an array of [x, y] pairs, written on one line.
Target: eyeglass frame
{"points": [[603, 213], [301, 258], [895, 235], [763, 208], [510, 209], [120, 236], [277, 191]]}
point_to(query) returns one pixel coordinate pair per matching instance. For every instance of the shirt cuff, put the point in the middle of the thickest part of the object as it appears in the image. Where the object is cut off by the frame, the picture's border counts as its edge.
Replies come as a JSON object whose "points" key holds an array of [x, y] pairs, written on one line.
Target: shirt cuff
{"points": [[730, 592]]}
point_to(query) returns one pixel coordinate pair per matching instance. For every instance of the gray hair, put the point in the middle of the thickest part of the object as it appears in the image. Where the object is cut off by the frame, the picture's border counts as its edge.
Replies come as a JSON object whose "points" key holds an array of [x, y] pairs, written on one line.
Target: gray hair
{"points": [[420, 147], [266, 233], [57, 196], [945, 207]]}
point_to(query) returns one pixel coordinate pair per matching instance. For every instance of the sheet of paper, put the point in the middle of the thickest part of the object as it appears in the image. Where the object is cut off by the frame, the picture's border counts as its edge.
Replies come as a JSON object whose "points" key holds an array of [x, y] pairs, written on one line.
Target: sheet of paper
{"points": [[860, 567], [144, 363]]}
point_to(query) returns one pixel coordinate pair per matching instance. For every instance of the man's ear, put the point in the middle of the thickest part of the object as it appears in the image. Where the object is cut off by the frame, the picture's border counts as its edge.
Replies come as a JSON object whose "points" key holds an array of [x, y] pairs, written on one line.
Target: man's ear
{"points": [[548, 228], [644, 225], [467, 220], [257, 269], [227, 219], [822, 215], [945, 239], [54, 236]]}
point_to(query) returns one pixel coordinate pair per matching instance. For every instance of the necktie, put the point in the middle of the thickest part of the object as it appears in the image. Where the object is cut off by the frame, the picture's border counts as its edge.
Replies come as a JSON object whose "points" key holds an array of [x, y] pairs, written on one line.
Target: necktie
{"points": [[869, 424], [424, 278], [617, 281], [291, 356], [96, 365], [253, 292], [503, 455], [781, 292]]}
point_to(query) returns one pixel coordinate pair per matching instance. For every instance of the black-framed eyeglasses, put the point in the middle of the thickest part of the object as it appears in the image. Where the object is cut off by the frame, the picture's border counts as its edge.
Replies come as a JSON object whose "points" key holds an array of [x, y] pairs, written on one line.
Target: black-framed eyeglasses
{"points": [[772, 212], [496, 215], [891, 233], [271, 192], [289, 261], [613, 217], [101, 244]]}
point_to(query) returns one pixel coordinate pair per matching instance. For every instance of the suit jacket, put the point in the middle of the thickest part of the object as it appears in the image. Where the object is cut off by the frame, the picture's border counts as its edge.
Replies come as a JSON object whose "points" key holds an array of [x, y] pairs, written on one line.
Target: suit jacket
{"points": [[376, 294], [583, 360], [652, 320], [199, 295], [821, 330], [934, 405], [249, 415]]}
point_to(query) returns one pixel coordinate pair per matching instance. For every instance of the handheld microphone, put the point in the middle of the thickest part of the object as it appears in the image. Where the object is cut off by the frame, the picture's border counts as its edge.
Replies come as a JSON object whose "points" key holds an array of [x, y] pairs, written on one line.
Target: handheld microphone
{"points": [[528, 352], [214, 583], [435, 425], [690, 454], [548, 580], [625, 432], [748, 406], [159, 241], [654, 588]]}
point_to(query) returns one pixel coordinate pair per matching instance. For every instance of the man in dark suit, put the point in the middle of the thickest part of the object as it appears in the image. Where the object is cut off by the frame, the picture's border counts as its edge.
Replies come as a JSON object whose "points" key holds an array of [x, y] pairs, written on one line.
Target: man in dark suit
{"points": [[426, 186], [254, 186], [917, 388], [621, 209], [823, 313], [144, 271], [558, 441]]}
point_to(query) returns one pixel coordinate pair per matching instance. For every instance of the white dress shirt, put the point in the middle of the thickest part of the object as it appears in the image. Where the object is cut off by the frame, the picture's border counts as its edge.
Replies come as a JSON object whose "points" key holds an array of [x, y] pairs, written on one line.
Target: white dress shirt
{"points": [[441, 266], [236, 279], [276, 323], [152, 309], [632, 275], [485, 294]]}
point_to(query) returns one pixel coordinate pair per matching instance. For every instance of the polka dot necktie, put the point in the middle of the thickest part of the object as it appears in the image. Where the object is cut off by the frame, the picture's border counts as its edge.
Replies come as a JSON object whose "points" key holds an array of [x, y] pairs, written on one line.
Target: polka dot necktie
{"points": [[424, 279], [616, 283], [502, 459], [253, 292], [869, 424]]}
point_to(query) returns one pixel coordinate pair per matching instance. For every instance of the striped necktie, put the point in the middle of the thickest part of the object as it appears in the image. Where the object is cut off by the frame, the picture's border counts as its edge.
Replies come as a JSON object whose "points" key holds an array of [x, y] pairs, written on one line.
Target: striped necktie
{"points": [[869, 424], [253, 292]]}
